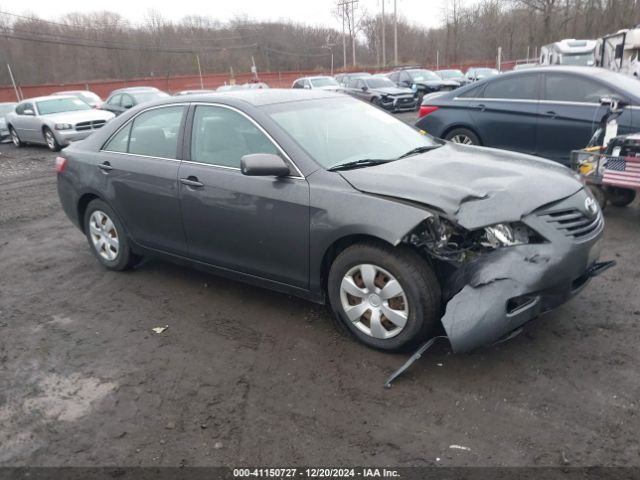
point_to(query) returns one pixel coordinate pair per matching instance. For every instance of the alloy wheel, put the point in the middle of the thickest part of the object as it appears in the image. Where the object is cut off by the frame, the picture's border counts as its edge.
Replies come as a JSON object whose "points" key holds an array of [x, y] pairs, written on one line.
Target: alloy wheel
{"points": [[462, 138], [374, 301], [104, 235], [51, 141]]}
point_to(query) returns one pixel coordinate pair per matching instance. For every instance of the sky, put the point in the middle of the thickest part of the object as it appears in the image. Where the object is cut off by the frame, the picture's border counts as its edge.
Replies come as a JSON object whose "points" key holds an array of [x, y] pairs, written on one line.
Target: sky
{"points": [[427, 13]]}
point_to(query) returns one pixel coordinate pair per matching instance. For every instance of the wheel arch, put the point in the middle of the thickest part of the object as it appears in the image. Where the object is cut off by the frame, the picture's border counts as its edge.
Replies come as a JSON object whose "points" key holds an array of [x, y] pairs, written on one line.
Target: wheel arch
{"points": [[81, 208], [341, 244]]}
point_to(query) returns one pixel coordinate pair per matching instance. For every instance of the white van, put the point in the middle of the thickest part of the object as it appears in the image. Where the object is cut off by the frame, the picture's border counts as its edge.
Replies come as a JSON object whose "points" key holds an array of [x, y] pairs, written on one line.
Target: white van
{"points": [[569, 52]]}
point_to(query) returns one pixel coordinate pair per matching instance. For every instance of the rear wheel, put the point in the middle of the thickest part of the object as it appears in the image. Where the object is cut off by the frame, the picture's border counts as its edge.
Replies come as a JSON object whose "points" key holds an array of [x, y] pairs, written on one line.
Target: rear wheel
{"points": [[620, 197], [50, 138], [463, 136], [388, 298], [107, 237], [15, 138]]}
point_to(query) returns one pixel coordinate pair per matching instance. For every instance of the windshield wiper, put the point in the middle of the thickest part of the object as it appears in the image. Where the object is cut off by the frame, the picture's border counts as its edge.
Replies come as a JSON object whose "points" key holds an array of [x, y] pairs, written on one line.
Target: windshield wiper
{"points": [[365, 162], [417, 150]]}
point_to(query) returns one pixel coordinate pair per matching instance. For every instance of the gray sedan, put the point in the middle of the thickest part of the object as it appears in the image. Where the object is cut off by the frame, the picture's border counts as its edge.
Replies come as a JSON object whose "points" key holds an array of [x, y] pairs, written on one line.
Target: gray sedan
{"points": [[329, 198], [54, 121]]}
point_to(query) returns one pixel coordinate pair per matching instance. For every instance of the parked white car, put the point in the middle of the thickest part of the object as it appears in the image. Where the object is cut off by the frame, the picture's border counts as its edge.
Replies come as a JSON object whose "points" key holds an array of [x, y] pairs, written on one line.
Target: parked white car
{"points": [[54, 121], [317, 83]]}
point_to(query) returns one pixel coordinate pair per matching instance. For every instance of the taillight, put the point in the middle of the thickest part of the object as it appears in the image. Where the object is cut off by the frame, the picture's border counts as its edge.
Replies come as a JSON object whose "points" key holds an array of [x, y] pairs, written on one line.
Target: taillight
{"points": [[426, 110], [61, 162]]}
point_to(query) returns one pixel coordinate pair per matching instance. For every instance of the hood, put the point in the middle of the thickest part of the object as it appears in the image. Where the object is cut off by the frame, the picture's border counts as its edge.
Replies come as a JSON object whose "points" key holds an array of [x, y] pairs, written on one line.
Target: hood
{"points": [[329, 88], [393, 91], [473, 186], [79, 116]]}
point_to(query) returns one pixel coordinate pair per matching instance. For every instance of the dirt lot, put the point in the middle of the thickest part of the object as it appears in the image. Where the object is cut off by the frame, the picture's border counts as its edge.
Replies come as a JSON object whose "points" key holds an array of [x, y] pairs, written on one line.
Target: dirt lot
{"points": [[246, 376]]}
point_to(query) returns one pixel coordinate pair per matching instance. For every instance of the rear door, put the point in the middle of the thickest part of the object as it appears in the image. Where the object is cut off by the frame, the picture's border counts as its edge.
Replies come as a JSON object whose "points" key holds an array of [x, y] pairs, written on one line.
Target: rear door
{"points": [[506, 113], [570, 112], [139, 165], [255, 225]]}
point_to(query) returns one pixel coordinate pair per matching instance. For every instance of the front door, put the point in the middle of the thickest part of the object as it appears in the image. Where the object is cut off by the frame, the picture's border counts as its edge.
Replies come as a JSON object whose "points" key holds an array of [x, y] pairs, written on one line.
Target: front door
{"points": [[570, 112], [254, 225]]}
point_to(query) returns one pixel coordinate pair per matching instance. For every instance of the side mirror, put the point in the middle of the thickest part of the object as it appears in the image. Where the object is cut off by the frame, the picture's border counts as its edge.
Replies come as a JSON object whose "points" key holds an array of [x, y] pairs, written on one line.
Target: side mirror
{"points": [[29, 112], [263, 165], [307, 86], [127, 106], [364, 88]]}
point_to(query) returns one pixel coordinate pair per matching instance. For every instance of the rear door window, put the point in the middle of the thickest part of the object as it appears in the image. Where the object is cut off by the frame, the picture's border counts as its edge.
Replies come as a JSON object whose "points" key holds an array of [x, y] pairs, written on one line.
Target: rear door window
{"points": [[153, 133], [521, 87]]}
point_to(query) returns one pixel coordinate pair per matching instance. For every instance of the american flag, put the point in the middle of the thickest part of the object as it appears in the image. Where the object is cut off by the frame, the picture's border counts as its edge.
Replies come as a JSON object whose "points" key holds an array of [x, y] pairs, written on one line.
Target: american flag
{"points": [[623, 172]]}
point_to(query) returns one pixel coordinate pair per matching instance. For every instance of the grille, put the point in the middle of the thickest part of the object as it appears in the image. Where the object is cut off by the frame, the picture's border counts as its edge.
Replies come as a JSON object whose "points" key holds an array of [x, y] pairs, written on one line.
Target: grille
{"points": [[574, 223], [93, 125]]}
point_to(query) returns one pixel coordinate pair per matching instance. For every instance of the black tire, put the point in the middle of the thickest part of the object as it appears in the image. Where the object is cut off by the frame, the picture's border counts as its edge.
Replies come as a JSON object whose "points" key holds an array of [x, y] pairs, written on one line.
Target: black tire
{"points": [[15, 138], [124, 258], [375, 101], [51, 142], [462, 133], [419, 283], [620, 197], [600, 195]]}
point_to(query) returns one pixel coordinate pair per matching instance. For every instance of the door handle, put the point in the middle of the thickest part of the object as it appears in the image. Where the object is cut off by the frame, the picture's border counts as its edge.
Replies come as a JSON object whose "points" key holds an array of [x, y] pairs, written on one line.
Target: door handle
{"points": [[551, 114], [105, 167], [482, 107], [192, 181]]}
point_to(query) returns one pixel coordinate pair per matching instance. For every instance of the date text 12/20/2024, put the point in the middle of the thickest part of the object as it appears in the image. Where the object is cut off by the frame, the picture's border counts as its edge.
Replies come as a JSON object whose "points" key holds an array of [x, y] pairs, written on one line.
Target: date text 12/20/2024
{"points": [[315, 473]]}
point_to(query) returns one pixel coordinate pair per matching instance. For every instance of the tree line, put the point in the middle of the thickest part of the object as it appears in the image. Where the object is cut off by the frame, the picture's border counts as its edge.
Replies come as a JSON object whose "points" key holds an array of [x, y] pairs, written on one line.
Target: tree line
{"points": [[105, 45]]}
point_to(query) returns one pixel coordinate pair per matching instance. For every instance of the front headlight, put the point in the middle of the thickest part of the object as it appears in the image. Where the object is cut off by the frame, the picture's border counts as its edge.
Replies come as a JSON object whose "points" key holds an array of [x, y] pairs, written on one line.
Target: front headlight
{"points": [[507, 235], [63, 126]]}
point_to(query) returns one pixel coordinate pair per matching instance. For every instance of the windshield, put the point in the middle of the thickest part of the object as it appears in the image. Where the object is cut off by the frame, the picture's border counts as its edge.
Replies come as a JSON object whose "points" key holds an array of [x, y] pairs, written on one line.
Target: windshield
{"points": [[379, 83], [323, 82], [340, 130], [143, 97], [584, 59], [89, 97], [422, 75], [6, 108], [59, 105], [486, 72], [446, 74]]}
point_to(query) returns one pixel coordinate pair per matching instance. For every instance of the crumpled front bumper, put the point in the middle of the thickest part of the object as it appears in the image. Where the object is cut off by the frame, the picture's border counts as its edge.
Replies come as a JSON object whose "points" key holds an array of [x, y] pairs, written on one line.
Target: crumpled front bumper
{"points": [[499, 292]]}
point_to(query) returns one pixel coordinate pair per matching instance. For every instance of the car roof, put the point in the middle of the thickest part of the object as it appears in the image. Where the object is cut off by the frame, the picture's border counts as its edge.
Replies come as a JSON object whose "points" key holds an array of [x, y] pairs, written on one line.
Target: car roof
{"points": [[313, 77], [135, 90], [256, 97], [70, 92], [47, 97]]}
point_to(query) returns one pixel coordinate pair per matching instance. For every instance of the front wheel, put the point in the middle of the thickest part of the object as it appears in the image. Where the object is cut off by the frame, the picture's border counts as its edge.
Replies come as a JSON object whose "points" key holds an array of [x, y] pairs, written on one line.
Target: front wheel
{"points": [[51, 140], [107, 237], [388, 298], [620, 197]]}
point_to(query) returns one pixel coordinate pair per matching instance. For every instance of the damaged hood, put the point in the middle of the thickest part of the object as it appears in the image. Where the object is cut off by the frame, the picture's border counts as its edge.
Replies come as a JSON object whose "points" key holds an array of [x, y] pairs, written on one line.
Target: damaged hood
{"points": [[473, 186]]}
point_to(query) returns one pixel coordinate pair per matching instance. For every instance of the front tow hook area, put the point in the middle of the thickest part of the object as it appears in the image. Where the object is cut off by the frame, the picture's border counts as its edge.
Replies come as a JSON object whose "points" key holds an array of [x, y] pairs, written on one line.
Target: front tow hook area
{"points": [[599, 267]]}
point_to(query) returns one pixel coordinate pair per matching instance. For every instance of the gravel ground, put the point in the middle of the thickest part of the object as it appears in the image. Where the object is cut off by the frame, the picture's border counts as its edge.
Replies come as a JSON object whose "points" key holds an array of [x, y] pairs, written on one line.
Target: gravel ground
{"points": [[247, 376]]}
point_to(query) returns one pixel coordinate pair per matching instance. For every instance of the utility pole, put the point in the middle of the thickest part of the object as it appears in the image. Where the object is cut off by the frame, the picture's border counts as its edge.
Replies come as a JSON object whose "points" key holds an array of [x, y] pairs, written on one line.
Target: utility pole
{"points": [[329, 46], [13, 81], [353, 30], [199, 71], [384, 38], [345, 5], [395, 32], [499, 62]]}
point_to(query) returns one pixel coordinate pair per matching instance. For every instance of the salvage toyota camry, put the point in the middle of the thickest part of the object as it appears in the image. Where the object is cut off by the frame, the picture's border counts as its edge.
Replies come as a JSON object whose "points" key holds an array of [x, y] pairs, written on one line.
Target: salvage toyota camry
{"points": [[323, 196]]}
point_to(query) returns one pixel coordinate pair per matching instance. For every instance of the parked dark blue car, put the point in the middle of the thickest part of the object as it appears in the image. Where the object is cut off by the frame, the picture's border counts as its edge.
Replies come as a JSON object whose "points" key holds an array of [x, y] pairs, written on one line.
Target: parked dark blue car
{"points": [[545, 111]]}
